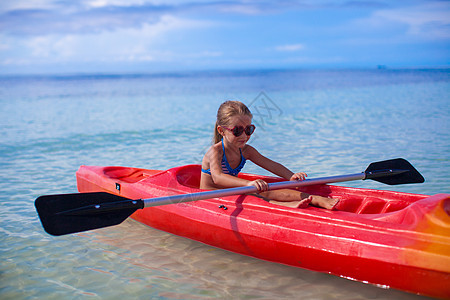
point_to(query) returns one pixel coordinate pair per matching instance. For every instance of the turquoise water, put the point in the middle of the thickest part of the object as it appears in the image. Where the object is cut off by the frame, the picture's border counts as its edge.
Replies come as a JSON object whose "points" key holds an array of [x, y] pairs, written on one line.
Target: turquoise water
{"points": [[321, 122]]}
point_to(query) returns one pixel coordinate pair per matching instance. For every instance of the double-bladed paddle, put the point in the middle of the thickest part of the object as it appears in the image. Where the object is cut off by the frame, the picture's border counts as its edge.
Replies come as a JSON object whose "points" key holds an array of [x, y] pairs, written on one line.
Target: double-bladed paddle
{"points": [[71, 213]]}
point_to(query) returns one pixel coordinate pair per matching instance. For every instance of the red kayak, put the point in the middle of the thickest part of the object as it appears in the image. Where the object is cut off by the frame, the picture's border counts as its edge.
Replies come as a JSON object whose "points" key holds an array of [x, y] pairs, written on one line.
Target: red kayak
{"points": [[386, 238]]}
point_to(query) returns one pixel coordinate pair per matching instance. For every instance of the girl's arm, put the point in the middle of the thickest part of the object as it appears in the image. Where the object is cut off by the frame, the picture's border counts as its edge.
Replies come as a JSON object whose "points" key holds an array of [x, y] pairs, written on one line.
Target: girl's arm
{"points": [[272, 166]]}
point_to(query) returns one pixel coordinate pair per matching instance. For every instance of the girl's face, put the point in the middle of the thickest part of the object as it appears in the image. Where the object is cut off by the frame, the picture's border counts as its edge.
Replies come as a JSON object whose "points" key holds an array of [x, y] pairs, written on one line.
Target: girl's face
{"points": [[237, 124]]}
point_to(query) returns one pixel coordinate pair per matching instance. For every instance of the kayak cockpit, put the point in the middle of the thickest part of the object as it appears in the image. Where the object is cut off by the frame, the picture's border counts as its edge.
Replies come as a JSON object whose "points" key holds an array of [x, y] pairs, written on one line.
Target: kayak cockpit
{"points": [[130, 175]]}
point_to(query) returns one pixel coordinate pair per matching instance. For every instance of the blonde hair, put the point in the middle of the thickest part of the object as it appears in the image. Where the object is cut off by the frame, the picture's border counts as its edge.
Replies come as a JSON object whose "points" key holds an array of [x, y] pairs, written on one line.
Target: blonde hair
{"points": [[226, 111]]}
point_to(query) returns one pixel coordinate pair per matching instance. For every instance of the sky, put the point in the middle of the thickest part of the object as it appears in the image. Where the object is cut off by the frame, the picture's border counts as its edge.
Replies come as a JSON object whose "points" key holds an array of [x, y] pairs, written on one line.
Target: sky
{"points": [[147, 36]]}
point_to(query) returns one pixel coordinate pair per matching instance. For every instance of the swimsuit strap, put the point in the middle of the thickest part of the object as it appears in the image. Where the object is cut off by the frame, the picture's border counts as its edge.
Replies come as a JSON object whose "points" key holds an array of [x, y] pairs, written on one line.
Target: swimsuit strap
{"points": [[208, 171], [226, 168]]}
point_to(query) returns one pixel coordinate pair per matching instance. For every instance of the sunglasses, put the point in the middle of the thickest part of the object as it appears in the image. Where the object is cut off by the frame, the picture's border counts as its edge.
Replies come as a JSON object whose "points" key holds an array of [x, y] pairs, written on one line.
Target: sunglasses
{"points": [[238, 130]]}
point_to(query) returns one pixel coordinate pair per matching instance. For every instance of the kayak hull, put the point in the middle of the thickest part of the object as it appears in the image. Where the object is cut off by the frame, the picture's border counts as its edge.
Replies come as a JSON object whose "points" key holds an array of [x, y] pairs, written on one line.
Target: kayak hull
{"points": [[390, 239]]}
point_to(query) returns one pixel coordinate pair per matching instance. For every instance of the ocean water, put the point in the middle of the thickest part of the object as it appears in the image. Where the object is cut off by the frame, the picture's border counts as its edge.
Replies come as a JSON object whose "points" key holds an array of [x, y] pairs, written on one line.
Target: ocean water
{"points": [[323, 122]]}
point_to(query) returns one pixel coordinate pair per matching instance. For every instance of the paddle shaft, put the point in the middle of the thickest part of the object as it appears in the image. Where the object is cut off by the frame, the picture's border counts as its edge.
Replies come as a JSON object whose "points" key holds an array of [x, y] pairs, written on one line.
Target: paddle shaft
{"points": [[70, 213], [248, 190]]}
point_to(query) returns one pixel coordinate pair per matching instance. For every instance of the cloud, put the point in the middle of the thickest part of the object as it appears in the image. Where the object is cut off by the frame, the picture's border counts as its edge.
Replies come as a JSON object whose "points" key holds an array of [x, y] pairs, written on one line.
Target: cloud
{"points": [[96, 31], [290, 47], [429, 20], [125, 44], [48, 21], [8, 6], [36, 17], [123, 3]]}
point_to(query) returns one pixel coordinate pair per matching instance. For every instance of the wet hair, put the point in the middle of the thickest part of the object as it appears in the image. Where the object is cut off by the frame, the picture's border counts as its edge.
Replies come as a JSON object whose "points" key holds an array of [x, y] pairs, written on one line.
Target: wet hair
{"points": [[226, 111]]}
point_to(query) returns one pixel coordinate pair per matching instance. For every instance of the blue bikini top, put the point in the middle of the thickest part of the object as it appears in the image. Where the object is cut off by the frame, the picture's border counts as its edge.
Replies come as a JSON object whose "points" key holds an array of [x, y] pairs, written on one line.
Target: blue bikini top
{"points": [[226, 168]]}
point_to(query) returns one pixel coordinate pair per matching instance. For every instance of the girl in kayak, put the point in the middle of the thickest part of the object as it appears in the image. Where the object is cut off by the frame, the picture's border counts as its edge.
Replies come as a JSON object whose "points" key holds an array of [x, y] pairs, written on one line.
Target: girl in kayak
{"points": [[229, 152]]}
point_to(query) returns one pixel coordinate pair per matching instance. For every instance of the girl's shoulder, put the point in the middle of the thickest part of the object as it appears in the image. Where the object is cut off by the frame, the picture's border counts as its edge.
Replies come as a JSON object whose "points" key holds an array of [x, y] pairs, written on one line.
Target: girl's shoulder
{"points": [[217, 147], [214, 150], [248, 151], [213, 153]]}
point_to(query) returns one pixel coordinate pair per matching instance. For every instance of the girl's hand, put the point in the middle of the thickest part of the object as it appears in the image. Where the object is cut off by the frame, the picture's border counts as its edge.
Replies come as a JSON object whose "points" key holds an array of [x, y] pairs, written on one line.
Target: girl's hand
{"points": [[260, 184], [299, 176]]}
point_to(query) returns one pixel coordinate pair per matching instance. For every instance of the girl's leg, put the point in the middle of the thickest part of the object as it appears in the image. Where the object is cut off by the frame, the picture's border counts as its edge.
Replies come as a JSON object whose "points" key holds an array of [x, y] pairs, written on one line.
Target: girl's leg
{"points": [[286, 197], [324, 202], [297, 199]]}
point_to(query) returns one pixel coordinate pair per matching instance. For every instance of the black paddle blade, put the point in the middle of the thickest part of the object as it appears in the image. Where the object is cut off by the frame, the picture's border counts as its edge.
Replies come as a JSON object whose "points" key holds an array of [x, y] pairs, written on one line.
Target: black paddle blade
{"points": [[393, 171], [70, 213]]}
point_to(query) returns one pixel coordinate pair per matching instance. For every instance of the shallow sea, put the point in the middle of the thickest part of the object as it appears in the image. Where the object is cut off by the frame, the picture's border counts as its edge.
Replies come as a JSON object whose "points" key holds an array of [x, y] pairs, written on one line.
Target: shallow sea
{"points": [[323, 122]]}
